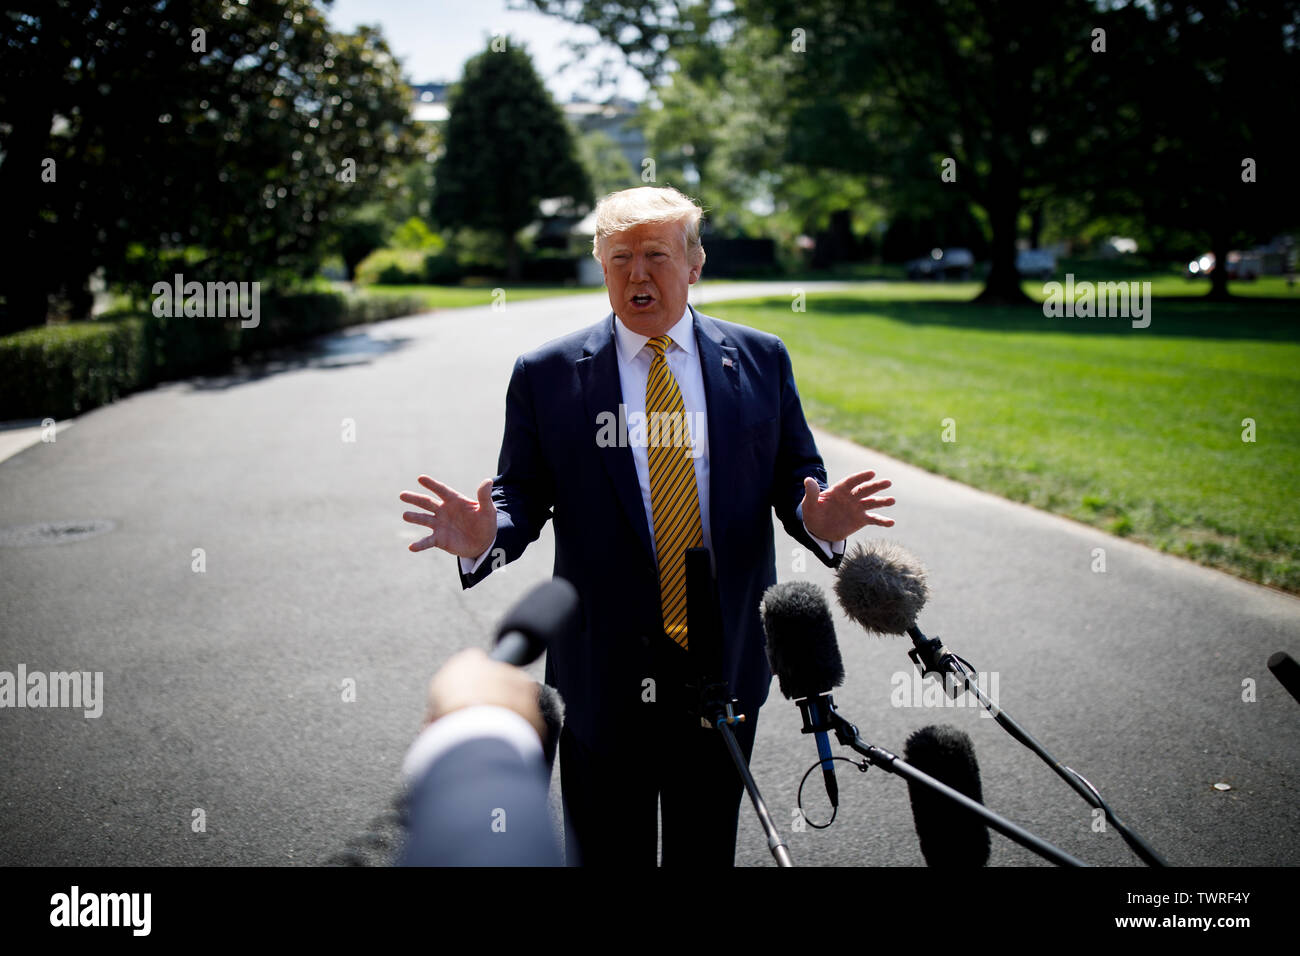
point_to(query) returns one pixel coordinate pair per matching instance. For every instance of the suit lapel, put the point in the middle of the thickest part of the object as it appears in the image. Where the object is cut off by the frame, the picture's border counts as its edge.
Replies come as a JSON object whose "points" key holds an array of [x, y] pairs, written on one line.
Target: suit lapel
{"points": [[720, 368], [602, 392]]}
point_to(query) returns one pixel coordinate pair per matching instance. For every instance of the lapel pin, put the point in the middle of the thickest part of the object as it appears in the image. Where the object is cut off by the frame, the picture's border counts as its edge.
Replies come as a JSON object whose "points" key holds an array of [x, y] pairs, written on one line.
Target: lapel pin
{"points": [[727, 363]]}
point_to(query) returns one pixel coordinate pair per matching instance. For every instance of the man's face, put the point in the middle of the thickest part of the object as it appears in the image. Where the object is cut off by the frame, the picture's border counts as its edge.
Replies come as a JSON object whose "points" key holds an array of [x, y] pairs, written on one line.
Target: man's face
{"points": [[648, 276]]}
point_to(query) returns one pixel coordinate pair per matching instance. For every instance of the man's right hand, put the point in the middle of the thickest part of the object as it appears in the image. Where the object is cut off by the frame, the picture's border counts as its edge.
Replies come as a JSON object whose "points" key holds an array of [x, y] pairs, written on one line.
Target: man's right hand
{"points": [[462, 526], [471, 679]]}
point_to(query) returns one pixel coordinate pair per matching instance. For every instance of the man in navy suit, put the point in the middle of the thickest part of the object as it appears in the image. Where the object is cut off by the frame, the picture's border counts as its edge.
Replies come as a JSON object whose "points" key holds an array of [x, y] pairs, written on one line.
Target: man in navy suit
{"points": [[583, 447]]}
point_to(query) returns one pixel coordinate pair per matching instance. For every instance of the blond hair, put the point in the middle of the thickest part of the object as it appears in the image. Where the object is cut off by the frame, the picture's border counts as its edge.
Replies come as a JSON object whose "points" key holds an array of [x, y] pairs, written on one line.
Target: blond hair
{"points": [[629, 208]]}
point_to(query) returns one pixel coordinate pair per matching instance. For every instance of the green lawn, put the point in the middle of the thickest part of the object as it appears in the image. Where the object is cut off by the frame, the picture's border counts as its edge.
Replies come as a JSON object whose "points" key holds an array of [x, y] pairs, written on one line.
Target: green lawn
{"points": [[1137, 431], [454, 296]]}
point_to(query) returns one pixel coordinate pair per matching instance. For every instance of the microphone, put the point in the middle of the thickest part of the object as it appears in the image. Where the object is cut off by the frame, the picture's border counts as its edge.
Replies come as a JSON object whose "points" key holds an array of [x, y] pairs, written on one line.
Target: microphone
{"points": [[883, 587], [703, 620], [1286, 670], [802, 651], [803, 654], [950, 836], [551, 704], [545, 614]]}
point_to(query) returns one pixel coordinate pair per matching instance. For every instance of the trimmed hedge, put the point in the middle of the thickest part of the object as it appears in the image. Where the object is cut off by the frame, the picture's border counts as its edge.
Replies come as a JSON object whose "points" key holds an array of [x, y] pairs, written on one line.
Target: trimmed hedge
{"points": [[55, 371]]}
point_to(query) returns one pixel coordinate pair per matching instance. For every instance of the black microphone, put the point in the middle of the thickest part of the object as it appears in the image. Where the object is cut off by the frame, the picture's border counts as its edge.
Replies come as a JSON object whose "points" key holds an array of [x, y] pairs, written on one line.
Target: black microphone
{"points": [[1286, 670], [802, 651], [546, 613], [883, 588], [703, 619], [950, 836]]}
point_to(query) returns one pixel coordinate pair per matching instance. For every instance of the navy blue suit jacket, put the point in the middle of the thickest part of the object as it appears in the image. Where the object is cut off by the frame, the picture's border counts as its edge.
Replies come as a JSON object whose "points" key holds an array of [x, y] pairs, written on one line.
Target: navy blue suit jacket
{"points": [[481, 804], [552, 467]]}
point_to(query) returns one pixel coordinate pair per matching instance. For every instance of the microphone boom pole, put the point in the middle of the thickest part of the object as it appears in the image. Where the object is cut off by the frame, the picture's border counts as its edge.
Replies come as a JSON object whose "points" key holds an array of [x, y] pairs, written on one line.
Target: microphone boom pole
{"points": [[883, 587], [848, 735], [803, 653], [932, 657]]}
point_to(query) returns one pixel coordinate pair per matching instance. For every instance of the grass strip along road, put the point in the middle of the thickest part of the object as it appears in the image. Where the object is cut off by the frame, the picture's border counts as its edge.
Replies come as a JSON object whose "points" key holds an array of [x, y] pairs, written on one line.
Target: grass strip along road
{"points": [[1142, 432]]}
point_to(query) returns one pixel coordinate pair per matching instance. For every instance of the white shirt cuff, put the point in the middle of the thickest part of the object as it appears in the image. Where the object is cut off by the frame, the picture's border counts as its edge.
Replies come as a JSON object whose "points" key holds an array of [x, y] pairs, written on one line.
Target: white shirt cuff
{"points": [[829, 548], [469, 723], [469, 567]]}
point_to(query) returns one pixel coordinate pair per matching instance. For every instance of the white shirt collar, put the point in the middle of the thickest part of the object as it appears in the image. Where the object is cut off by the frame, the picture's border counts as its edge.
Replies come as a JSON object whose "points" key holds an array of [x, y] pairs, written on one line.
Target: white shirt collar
{"points": [[631, 343]]}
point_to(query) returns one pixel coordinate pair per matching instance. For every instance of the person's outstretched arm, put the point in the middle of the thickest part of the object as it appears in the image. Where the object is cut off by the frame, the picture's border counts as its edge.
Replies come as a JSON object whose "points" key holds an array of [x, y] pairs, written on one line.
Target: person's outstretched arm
{"points": [[508, 512]]}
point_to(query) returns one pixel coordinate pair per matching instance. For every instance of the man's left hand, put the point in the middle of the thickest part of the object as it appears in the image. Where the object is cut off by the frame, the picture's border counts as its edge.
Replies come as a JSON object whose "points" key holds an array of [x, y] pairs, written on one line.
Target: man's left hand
{"points": [[845, 507]]}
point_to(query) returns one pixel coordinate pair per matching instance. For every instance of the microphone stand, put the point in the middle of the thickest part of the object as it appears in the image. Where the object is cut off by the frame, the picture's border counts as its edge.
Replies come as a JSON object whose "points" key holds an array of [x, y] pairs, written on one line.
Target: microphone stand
{"points": [[714, 704], [931, 657], [716, 710], [848, 736]]}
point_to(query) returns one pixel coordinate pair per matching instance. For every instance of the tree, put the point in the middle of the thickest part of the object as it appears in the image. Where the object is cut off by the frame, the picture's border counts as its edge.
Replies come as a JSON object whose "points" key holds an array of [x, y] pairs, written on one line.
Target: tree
{"points": [[1010, 99], [607, 167], [1221, 124], [507, 148], [218, 139], [404, 194], [1004, 104], [726, 113]]}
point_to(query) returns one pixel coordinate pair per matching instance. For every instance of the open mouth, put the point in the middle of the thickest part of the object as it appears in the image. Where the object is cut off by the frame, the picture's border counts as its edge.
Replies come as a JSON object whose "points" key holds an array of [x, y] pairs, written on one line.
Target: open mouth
{"points": [[642, 300]]}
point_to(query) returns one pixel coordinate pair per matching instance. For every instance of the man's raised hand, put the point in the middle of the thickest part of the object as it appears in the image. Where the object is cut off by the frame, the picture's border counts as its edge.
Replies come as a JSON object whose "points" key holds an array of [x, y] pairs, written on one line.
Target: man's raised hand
{"points": [[462, 526], [844, 507]]}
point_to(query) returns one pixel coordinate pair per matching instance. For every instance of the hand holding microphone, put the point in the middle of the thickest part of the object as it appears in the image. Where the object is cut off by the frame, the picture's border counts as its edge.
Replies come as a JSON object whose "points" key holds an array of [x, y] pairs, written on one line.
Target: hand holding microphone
{"points": [[543, 615], [485, 763], [472, 679]]}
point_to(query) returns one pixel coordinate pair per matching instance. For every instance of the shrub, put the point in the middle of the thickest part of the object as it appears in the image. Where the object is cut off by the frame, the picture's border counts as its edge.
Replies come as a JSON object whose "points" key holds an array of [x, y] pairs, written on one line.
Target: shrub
{"points": [[56, 371], [442, 269], [391, 267], [414, 234], [59, 370]]}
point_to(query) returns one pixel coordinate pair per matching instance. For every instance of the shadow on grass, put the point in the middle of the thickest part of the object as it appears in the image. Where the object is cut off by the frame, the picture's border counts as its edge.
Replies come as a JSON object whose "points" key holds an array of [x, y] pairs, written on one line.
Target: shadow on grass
{"points": [[1264, 319]]}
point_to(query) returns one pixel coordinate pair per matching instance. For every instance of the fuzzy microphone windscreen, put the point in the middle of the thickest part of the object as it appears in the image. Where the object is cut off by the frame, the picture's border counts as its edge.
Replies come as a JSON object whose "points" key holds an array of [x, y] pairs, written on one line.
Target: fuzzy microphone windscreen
{"points": [[882, 586], [951, 836], [801, 643]]}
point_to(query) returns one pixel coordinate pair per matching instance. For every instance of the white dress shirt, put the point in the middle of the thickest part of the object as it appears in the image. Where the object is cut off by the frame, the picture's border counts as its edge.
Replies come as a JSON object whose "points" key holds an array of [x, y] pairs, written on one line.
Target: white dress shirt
{"points": [[470, 723], [683, 358]]}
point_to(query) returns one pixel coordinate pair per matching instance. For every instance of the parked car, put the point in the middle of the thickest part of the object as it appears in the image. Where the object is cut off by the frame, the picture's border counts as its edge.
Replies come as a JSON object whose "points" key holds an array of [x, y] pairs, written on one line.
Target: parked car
{"points": [[1241, 266], [955, 263], [1035, 263], [923, 267]]}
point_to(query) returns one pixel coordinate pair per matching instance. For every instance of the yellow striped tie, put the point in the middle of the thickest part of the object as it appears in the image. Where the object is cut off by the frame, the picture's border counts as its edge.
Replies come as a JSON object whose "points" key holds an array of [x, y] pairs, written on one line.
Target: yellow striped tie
{"points": [[674, 499]]}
